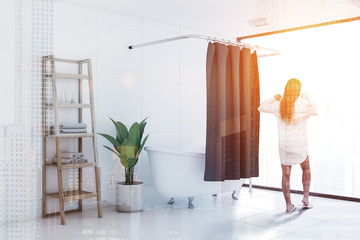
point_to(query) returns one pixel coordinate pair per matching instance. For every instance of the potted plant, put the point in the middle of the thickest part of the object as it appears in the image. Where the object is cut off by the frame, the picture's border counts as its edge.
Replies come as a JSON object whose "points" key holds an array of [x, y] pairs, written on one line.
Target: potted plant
{"points": [[127, 146]]}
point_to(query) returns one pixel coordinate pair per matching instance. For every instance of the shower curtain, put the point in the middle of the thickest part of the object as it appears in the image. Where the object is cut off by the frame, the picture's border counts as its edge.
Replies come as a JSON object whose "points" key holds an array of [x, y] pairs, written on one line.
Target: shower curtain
{"points": [[233, 96]]}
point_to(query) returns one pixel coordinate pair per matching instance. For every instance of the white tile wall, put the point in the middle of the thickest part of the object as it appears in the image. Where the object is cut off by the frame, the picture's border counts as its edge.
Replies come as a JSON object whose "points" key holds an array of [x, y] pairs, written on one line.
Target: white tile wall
{"points": [[192, 139], [164, 140], [193, 61], [164, 82], [7, 96], [161, 61], [192, 108], [76, 34], [161, 106], [115, 36], [7, 26], [119, 98], [76, 10]]}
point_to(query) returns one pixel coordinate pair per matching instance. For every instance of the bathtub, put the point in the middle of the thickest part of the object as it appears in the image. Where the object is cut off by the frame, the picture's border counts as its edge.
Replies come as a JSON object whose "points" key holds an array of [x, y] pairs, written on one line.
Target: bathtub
{"points": [[178, 174]]}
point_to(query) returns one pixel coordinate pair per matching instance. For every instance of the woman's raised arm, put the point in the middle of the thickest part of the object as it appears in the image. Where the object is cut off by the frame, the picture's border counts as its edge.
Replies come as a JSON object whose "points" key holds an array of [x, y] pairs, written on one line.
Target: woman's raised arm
{"points": [[311, 107], [270, 105]]}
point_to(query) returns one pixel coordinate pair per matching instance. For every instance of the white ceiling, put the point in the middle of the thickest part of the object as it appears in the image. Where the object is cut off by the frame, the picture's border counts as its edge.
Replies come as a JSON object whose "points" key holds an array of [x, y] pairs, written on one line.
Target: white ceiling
{"points": [[232, 17], [223, 16]]}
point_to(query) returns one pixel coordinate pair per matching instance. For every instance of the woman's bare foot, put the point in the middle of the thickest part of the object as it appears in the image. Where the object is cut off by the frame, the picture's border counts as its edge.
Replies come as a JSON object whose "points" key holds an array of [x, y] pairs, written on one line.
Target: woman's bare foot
{"points": [[290, 208], [305, 201]]}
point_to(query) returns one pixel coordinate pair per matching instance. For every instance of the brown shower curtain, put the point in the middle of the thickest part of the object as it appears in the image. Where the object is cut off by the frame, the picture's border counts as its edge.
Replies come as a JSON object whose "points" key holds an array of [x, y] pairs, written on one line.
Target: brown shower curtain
{"points": [[233, 96]]}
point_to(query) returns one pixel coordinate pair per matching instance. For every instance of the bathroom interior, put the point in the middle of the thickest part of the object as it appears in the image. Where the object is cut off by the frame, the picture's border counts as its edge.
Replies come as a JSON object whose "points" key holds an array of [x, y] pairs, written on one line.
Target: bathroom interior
{"points": [[149, 61]]}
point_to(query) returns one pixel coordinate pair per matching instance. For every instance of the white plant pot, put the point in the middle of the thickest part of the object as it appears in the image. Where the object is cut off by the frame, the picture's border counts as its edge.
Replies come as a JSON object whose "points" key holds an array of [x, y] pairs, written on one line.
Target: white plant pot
{"points": [[129, 198]]}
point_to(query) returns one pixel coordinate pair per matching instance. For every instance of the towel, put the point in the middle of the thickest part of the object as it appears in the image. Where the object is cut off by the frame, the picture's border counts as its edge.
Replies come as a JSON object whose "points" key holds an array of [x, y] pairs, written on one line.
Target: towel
{"points": [[72, 158], [83, 160], [70, 130], [73, 130], [69, 155], [81, 157], [65, 161], [72, 125]]}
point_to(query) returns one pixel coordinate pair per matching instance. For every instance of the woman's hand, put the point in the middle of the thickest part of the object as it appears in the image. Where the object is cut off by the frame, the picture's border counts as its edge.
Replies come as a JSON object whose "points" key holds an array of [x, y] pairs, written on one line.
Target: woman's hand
{"points": [[277, 97]]}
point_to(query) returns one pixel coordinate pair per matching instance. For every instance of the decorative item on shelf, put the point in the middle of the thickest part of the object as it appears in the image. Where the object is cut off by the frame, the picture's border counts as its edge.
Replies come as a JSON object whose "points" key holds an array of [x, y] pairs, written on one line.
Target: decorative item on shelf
{"points": [[73, 99], [63, 97], [70, 128], [127, 146]]}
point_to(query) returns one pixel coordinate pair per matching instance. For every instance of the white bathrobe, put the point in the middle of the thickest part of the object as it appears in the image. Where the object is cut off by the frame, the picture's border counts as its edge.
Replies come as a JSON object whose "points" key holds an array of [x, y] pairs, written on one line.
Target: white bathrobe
{"points": [[293, 145]]}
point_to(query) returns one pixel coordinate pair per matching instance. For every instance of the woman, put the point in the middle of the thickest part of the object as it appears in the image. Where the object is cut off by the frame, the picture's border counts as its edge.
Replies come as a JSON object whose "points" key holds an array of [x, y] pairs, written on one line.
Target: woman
{"points": [[292, 113]]}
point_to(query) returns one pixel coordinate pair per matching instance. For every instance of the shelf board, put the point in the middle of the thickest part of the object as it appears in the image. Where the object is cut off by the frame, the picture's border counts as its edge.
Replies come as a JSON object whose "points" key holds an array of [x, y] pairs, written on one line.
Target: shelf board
{"points": [[74, 195], [58, 213], [51, 57], [72, 166], [71, 135], [67, 60], [67, 75], [74, 105], [70, 105]]}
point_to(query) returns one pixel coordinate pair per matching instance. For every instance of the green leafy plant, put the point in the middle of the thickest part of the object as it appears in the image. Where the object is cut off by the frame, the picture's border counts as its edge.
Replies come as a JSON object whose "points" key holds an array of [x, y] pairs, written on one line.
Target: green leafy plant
{"points": [[127, 145]]}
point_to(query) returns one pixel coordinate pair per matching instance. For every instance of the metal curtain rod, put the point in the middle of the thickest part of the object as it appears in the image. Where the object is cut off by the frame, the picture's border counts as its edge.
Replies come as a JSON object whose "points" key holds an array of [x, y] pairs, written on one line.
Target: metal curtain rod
{"points": [[273, 51]]}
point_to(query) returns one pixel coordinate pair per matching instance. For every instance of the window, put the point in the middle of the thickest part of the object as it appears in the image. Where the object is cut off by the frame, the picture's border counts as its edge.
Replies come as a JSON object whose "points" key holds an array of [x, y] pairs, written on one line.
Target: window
{"points": [[326, 61]]}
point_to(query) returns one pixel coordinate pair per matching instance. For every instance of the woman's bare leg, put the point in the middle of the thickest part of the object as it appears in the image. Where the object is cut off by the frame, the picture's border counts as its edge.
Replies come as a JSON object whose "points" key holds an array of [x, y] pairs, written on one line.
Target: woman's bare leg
{"points": [[286, 171], [306, 178]]}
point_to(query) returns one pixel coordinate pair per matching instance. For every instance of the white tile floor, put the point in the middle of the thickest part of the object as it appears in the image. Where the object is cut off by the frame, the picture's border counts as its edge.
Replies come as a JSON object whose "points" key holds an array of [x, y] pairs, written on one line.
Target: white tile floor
{"points": [[259, 216]]}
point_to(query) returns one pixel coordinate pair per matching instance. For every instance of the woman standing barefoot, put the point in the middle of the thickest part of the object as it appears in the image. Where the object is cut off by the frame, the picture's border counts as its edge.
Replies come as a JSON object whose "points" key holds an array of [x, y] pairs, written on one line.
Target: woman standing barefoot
{"points": [[292, 113]]}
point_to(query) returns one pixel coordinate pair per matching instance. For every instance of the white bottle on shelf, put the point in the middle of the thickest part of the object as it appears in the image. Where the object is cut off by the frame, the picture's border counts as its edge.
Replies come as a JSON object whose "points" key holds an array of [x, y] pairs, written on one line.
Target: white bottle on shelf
{"points": [[63, 97], [73, 100]]}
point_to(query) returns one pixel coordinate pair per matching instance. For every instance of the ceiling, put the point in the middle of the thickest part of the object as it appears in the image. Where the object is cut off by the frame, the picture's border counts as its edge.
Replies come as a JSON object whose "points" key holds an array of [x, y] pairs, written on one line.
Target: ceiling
{"points": [[232, 18], [225, 17]]}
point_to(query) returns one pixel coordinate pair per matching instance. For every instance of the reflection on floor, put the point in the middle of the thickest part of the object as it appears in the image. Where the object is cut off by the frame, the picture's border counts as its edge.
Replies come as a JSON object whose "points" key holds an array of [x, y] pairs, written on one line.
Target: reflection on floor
{"points": [[260, 216]]}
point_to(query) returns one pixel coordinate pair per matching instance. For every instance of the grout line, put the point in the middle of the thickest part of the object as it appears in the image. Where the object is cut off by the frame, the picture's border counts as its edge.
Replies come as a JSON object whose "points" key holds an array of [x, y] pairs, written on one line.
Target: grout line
{"points": [[301, 229], [142, 70], [167, 82], [141, 174], [179, 95], [278, 237]]}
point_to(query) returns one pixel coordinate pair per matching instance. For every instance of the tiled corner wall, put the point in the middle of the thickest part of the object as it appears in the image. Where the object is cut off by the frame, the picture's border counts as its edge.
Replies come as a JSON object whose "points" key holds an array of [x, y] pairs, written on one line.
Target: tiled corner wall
{"points": [[27, 25], [165, 82]]}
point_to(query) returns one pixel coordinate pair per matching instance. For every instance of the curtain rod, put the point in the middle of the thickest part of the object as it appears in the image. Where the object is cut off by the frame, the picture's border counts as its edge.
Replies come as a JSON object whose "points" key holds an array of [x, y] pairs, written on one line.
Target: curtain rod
{"points": [[272, 52]]}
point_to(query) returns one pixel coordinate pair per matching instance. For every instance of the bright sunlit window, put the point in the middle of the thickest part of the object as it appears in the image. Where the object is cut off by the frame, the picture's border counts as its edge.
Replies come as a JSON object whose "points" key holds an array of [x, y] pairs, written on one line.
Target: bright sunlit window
{"points": [[326, 61]]}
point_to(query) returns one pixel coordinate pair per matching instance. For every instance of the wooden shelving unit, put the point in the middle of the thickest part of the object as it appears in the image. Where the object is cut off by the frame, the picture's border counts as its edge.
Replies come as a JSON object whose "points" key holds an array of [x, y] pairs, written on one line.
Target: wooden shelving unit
{"points": [[49, 62]]}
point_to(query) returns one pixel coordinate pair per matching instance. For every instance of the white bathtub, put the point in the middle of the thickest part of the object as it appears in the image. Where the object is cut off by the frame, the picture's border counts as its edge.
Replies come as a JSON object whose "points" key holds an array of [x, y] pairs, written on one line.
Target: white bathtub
{"points": [[181, 174]]}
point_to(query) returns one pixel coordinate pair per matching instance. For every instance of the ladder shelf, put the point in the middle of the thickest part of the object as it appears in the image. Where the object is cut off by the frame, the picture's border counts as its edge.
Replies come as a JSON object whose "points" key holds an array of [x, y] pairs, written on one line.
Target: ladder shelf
{"points": [[50, 77]]}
